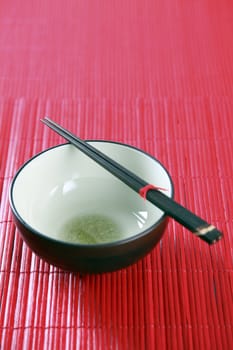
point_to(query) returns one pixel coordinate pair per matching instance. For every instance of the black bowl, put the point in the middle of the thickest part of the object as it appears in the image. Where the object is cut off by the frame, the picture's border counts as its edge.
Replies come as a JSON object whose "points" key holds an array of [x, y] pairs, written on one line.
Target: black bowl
{"points": [[61, 184]]}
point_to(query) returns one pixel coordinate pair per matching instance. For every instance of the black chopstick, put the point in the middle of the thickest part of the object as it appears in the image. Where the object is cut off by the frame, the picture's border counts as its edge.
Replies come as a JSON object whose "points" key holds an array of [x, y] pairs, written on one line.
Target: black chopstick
{"points": [[195, 224]]}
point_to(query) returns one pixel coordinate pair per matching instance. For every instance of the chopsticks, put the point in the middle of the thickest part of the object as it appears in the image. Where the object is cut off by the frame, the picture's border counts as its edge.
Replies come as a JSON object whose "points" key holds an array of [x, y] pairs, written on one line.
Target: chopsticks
{"points": [[185, 217]]}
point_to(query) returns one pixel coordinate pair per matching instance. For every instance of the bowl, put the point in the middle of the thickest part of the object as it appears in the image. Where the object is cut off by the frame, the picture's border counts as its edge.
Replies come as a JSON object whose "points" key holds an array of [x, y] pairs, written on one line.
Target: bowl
{"points": [[76, 215]]}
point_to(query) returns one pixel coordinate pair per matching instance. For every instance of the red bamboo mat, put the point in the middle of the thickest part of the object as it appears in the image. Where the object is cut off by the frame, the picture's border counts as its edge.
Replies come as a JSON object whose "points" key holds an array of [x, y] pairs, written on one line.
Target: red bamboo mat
{"points": [[154, 74]]}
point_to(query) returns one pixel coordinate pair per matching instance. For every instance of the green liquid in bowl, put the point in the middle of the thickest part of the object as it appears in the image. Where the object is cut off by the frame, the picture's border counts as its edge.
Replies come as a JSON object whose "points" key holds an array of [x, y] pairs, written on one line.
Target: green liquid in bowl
{"points": [[90, 229]]}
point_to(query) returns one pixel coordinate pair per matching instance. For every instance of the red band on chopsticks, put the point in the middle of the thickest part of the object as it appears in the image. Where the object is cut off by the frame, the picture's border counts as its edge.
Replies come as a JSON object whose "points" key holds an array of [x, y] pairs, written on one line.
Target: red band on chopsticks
{"points": [[143, 191]]}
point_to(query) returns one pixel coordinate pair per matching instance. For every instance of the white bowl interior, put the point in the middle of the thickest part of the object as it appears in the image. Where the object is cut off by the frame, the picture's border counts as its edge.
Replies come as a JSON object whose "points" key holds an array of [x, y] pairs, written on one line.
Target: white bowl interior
{"points": [[62, 183]]}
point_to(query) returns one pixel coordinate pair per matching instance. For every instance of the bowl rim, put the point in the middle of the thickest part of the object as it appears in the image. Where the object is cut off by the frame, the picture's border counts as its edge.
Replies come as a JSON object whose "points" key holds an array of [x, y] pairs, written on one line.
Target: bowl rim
{"points": [[82, 245]]}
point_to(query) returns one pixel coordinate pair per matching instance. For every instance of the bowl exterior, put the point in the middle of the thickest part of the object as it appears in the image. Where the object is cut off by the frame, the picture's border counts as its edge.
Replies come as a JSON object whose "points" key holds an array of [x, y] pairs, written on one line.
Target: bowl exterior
{"points": [[91, 259]]}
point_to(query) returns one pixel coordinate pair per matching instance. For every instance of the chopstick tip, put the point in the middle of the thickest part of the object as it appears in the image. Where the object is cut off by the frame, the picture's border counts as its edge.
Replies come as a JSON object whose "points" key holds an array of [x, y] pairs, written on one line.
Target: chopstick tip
{"points": [[45, 120]]}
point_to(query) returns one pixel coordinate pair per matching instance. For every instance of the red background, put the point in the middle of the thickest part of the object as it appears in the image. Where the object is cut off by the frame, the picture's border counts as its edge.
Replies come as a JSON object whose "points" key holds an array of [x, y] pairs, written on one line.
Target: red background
{"points": [[155, 74]]}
